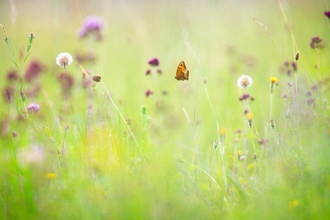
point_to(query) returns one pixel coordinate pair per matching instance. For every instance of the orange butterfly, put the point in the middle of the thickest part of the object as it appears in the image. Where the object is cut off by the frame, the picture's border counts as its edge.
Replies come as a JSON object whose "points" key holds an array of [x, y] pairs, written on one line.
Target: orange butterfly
{"points": [[182, 72]]}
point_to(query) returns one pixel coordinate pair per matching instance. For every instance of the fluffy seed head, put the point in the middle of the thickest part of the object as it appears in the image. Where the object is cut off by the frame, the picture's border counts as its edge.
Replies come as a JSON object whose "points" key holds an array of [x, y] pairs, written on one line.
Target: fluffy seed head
{"points": [[64, 59], [244, 81]]}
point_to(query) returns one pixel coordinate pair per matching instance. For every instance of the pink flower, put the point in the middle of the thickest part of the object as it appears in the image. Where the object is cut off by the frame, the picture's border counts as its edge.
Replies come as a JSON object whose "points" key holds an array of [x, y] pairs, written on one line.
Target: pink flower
{"points": [[33, 108]]}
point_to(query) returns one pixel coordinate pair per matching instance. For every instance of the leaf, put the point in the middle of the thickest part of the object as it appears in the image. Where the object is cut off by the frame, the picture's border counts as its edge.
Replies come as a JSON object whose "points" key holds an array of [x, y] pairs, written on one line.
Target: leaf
{"points": [[27, 55], [15, 64]]}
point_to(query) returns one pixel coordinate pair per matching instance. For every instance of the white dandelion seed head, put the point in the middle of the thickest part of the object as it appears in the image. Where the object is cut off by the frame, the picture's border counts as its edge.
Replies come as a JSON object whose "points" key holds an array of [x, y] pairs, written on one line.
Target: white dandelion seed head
{"points": [[244, 81], [64, 59]]}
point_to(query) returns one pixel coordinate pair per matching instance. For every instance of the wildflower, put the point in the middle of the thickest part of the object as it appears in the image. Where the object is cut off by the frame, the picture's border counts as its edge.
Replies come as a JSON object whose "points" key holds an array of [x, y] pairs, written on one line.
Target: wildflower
{"points": [[91, 25], [33, 108], [273, 80], [12, 76], [64, 59], [314, 87], [244, 97], [223, 131], [149, 93], [50, 175], [289, 67], [310, 101], [293, 204], [148, 72], [154, 62], [249, 117], [159, 71], [327, 13], [33, 70], [309, 93], [316, 42], [255, 156], [244, 81]]}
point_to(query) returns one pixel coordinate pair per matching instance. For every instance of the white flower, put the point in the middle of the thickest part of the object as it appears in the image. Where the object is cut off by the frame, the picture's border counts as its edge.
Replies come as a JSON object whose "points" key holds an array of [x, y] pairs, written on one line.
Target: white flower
{"points": [[244, 81], [64, 59]]}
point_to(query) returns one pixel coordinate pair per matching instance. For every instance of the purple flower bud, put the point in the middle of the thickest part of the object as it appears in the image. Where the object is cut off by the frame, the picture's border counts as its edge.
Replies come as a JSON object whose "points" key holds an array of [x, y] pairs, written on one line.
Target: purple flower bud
{"points": [[149, 93]]}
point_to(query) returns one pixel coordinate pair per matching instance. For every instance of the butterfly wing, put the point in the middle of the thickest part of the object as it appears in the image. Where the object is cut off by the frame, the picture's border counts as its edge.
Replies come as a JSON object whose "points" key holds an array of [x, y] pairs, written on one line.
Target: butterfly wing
{"points": [[182, 73]]}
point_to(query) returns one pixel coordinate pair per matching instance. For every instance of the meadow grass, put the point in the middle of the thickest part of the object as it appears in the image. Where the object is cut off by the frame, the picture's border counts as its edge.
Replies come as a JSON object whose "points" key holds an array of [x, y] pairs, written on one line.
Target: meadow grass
{"points": [[198, 149]]}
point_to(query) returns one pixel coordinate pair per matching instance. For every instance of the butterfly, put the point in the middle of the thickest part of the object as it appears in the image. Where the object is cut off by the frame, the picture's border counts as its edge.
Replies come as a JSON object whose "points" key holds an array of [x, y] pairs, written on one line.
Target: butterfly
{"points": [[182, 72]]}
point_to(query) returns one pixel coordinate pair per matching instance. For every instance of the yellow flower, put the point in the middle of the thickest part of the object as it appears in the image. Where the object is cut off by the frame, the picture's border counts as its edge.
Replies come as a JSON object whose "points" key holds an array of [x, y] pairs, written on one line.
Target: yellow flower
{"points": [[249, 117], [223, 131], [293, 204], [273, 80], [50, 175]]}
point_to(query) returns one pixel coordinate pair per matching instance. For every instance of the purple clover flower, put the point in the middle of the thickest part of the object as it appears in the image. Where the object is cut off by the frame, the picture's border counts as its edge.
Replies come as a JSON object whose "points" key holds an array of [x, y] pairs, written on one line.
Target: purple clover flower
{"points": [[33, 108]]}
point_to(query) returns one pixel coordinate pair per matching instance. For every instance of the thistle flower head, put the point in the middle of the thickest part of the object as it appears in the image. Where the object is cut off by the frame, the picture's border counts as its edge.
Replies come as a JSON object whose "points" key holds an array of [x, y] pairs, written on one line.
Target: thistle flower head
{"points": [[148, 93], [154, 62], [327, 13], [64, 59], [91, 24], [244, 81]]}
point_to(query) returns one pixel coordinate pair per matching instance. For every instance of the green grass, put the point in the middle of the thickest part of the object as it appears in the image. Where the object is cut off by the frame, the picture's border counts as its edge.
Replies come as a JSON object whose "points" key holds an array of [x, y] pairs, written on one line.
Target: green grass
{"points": [[188, 154]]}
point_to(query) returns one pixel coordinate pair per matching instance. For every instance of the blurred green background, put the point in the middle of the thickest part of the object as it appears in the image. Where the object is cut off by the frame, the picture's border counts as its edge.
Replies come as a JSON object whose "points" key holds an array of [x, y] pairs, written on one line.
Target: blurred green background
{"points": [[194, 152]]}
